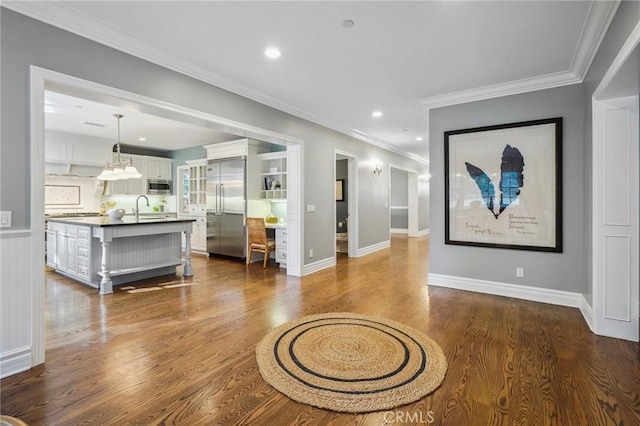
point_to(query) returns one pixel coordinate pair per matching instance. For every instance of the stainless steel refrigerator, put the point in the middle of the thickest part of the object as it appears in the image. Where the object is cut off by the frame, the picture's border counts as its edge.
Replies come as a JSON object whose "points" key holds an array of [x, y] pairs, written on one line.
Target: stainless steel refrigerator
{"points": [[226, 193]]}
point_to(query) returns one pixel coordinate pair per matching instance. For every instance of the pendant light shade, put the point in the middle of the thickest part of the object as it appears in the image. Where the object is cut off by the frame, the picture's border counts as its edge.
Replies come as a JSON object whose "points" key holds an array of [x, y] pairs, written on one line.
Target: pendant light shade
{"points": [[119, 168]]}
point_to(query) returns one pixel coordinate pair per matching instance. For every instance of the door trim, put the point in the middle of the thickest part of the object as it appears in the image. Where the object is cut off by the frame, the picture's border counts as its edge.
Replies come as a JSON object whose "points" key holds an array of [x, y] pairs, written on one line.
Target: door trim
{"points": [[352, 197]]}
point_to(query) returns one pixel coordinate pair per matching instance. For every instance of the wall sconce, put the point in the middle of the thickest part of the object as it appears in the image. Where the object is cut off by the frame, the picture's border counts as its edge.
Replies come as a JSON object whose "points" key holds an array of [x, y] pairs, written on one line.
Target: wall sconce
{"points": [[377, 168]]}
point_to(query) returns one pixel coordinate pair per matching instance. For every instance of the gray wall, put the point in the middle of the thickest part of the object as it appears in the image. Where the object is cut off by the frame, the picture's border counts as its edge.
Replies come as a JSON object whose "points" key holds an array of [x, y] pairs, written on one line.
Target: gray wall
{"points": [[342, 207], [623, 23], [399, 197], [28, 42], [561, 271]]}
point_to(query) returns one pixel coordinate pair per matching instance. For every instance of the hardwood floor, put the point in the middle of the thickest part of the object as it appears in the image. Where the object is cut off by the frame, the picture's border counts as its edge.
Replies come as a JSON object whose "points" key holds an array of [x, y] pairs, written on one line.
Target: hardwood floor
{"points": [[185, 355]]}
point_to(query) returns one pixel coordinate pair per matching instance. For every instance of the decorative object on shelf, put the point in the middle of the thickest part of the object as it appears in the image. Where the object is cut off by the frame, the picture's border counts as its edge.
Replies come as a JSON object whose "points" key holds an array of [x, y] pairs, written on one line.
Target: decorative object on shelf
{"points": [[120, 168], [377, 168], [522, 162]]}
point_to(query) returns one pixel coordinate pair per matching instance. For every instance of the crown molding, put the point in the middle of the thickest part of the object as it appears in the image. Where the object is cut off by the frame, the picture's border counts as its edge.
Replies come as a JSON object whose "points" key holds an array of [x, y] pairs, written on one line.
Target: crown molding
{"points": [[599, 18], [502, 89], [69, 19], [595, 27]]}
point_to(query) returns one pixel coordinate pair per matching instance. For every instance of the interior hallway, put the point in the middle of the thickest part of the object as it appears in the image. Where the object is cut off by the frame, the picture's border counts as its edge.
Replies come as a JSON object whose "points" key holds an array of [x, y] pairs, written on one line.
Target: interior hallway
{"points": [[185, 355]]}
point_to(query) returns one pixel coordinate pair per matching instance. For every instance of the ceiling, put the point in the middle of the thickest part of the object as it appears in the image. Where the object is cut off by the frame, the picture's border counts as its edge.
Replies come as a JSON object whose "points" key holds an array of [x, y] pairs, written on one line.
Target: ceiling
{"points": [[71, 114], [400, 58]]}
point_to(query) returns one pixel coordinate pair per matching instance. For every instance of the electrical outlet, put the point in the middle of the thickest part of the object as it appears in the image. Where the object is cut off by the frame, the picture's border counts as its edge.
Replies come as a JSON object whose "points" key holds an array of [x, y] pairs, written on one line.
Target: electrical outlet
{"points": [[5, 219], [519, 272], [310, 253]]}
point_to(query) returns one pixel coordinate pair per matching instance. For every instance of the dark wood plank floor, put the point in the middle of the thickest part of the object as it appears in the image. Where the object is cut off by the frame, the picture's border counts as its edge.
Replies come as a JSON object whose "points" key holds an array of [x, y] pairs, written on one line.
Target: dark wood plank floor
{"points": [[185, 355]]}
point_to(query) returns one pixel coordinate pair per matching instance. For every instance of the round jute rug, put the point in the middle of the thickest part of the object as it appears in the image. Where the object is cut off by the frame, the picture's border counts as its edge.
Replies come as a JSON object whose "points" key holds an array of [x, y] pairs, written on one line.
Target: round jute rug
{"points": [[350, 363]]}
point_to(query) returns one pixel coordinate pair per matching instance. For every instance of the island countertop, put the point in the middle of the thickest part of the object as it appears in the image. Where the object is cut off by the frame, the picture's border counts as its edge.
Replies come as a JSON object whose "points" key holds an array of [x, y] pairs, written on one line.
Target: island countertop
{"points": [[101, 251], [104, 221]]}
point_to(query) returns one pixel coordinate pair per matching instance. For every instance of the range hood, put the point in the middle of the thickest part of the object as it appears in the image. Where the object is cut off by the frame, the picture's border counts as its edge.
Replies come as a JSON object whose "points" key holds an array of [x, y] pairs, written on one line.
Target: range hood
{"points": [[72, 169]]}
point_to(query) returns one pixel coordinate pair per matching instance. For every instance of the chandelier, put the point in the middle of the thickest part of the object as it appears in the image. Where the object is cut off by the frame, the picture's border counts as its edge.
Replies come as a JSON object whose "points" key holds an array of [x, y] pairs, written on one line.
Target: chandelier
{"points": [[119, 168]]}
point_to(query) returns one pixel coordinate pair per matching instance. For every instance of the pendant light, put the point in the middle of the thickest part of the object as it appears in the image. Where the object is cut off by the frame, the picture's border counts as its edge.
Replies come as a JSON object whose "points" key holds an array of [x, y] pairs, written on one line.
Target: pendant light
{"points": [[119, 169]]}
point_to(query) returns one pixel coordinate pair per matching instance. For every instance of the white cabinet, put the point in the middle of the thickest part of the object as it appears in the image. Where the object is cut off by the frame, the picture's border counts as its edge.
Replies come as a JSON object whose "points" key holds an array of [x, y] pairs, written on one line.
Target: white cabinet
{"points": [[65, 249], [149, 168], [281, 247], [199, 242], [65, 153], [70, 249], [198, 182], [273, 175], [198, 234], [158, 168], [51, 248]]}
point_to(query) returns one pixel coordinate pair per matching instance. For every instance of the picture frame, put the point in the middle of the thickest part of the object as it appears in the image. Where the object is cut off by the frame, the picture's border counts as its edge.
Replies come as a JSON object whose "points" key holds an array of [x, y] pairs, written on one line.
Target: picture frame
{"points": [[503, 186], [339, 189]]}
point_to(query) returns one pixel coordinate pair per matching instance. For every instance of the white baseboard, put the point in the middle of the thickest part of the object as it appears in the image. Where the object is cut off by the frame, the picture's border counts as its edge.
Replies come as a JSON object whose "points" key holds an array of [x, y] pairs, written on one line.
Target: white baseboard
{"points": [[420, 233], [319, 265], [15, 361], [534, 294], [374, 248], [399, 231]]}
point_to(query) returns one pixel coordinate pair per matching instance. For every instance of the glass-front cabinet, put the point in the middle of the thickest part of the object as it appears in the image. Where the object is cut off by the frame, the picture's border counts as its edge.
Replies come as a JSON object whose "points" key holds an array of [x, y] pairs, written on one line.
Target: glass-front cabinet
{"points": [[193, 186]]}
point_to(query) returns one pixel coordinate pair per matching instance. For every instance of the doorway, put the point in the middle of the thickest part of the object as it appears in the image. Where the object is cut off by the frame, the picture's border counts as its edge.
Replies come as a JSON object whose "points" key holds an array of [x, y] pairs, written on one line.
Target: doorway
{"points": [[346, 204], [615, 255], [43, 79], [403, 201]]}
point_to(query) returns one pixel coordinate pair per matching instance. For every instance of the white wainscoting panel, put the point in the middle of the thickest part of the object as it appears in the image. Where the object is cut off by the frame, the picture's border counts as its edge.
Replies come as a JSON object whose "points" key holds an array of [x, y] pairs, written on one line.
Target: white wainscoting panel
{"points": [[15, 302]]}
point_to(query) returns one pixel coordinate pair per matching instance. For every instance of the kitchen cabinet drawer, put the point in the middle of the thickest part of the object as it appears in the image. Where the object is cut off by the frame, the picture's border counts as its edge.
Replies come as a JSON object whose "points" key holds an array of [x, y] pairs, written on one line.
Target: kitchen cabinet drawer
{"points": [[281, 255], [83, 271], [281, 238], [83, 252], [84, 234]]}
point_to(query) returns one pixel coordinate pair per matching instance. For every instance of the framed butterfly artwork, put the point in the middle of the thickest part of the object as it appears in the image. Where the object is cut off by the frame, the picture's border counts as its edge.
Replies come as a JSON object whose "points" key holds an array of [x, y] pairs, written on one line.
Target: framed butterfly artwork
{"points": [[503, 186]]}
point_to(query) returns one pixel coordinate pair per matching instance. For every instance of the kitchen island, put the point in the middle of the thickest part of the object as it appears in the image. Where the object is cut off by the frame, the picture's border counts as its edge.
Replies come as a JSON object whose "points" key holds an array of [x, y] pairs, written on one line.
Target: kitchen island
{"points": [[104, 252]]}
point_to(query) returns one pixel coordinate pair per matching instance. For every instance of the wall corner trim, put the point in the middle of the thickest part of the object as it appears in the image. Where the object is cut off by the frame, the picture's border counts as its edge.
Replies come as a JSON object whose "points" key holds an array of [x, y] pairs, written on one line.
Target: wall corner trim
{"points": [[15, 361], [374, 248], [319, 265], [587, 313]]}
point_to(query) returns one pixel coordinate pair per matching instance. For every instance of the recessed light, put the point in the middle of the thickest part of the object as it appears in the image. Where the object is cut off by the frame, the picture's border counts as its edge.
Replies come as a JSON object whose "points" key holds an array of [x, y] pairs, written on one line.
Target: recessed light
{"points": [[419, 138], [376, 114], [272, 52], [141, 139]]}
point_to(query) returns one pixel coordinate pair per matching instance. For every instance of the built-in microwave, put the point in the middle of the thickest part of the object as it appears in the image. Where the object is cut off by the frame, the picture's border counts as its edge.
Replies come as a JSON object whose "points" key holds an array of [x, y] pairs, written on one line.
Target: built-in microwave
{"points": [[158, 187]]}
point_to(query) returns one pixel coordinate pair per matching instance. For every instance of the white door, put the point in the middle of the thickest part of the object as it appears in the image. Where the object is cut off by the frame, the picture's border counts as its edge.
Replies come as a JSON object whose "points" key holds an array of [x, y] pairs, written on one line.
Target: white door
{"points": [[616, 257]]}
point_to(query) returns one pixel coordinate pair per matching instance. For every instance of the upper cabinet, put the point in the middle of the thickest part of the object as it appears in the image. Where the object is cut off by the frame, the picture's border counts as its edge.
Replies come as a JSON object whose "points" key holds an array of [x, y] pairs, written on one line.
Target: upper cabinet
{"points": [[73, 154], [159, 168], [149, 168]]}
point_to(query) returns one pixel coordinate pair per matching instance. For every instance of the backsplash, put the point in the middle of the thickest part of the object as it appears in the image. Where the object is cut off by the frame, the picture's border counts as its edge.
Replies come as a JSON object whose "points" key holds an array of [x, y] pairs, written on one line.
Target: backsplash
{"points": [[72, 194], [157, 203]]}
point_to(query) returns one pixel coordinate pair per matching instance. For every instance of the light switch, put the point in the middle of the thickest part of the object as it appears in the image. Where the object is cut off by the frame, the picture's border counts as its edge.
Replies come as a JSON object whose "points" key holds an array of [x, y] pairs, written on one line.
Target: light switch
{"points": [[5, 219], [311, 208]]}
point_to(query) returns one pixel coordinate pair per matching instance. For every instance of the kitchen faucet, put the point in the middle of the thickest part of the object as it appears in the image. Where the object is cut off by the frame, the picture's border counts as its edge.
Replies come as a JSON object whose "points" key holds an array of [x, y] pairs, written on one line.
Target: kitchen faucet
{"points": [[138, 208]]}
